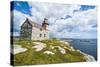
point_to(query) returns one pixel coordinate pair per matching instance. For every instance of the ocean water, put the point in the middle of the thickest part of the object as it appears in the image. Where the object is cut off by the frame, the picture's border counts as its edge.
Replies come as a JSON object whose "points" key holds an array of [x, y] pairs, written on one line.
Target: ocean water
{"points": [[88, 46]]}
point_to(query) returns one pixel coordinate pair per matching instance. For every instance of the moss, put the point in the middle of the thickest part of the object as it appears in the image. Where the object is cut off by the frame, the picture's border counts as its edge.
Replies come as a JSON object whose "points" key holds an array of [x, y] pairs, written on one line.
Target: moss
{"points": [[74, 58], [32, 57]]}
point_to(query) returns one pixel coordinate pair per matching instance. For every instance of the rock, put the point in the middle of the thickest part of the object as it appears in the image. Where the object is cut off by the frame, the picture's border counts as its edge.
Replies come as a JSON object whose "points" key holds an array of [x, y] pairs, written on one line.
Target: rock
{"points": [[18, 49], [62, 50], [72, 49], [87, 56], [39, 46], [51, 47], [49, 52], [67, 43]]}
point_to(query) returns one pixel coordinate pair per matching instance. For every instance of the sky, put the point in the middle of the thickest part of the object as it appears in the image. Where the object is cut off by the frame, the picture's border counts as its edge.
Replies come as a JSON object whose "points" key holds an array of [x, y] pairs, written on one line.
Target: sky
{"points": [[65, 20]]}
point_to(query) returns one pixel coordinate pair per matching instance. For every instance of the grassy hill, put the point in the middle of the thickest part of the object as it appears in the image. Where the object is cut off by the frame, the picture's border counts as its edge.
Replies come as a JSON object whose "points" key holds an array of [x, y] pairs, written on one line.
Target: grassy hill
{"points": [[46, 52]]}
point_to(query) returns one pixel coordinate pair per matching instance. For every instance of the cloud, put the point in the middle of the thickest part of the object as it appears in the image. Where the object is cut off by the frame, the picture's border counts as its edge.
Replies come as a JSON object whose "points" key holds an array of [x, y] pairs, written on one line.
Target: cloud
{"points": [[81, 24], [51, 10], [64, 20], [18, 19]]}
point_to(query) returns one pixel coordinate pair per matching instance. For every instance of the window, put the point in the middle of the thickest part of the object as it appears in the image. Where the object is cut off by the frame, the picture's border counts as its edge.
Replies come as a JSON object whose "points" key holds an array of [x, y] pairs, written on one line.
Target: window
{"points": [[40, 35], [44, 35], [40, 29]]}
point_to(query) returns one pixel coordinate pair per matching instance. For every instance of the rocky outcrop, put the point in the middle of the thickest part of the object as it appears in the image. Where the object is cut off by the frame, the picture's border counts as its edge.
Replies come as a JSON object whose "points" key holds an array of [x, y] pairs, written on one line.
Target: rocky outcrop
{"points": [[18, 49], [61, 48], [49, 52], [39, 46], [87, 56]]}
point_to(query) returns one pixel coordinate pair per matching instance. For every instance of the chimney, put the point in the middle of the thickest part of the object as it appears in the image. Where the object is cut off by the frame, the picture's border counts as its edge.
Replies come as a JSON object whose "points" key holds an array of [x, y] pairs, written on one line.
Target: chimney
{"points": [[45, 24]]}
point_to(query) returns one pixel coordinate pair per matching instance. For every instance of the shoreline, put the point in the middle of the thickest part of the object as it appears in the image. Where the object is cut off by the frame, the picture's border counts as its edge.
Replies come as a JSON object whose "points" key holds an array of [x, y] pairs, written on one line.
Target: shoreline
{"points": [[89, 58]]}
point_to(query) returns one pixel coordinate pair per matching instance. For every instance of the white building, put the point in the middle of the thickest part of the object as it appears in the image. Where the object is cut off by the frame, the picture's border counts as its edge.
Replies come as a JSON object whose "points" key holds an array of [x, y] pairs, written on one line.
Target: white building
{"points": [[33, 31]]}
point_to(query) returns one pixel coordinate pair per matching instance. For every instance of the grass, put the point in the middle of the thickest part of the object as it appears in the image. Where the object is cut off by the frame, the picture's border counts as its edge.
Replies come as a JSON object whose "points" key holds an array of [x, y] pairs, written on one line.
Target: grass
{"points": [[31, 57], [74, 58]]}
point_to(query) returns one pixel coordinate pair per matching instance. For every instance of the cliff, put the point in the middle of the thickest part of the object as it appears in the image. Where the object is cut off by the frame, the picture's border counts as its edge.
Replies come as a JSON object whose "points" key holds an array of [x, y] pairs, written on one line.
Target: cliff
{"points": [[47, 52]]}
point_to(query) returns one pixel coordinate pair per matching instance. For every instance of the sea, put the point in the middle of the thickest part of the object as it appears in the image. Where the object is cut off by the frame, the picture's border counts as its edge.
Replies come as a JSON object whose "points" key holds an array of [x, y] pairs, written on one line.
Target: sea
{"points": [[88, 46]]}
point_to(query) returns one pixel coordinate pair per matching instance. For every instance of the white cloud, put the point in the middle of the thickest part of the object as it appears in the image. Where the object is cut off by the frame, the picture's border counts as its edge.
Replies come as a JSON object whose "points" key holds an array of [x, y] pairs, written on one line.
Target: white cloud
{"points": [[51, 10], [80, 24], [18, 19]]}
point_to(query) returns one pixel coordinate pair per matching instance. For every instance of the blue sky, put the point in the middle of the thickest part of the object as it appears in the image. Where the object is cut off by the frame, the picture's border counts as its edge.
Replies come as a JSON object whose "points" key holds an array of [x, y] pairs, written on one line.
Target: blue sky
{"points": [[66, 21]]}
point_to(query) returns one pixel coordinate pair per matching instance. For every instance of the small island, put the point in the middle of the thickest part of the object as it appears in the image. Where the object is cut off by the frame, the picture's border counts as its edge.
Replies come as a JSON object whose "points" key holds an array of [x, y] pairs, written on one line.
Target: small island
{"points": [[46, 52], [51, 33], [35, 47]]}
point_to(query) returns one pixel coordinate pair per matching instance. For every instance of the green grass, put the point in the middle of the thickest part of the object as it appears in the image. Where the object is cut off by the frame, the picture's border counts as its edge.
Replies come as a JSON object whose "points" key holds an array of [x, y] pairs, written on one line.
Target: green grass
{"points": [[74, 58], [32, 57]]}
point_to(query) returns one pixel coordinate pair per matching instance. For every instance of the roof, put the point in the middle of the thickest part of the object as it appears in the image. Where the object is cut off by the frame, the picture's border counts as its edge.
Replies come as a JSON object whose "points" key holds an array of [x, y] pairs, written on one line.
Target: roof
{"points": [[34, 24]]}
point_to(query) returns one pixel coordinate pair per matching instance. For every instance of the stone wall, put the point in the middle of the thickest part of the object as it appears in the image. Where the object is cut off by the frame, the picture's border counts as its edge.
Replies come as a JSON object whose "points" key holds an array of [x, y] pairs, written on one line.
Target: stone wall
{"points": [[38, 34]]}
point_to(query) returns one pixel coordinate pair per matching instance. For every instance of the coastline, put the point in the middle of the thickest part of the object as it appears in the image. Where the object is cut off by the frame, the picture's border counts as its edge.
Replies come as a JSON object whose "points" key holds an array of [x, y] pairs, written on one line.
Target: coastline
{"points": [[39, 46], [89, 58]]}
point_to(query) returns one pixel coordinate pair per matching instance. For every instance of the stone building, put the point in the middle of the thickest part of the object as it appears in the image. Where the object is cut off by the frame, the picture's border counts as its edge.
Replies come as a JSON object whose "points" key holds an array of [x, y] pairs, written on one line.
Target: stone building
{"points": [[33, 31]]}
